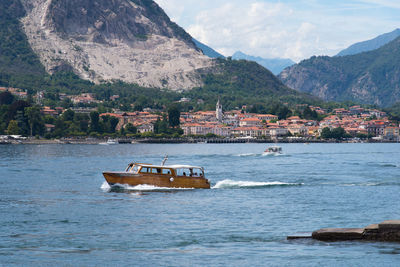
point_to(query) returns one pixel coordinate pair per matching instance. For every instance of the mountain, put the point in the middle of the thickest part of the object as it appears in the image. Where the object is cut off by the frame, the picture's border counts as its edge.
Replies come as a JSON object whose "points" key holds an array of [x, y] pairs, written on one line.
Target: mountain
{"points": [[275, 65], [371, 77], [100, 40], [369, 45], [124, 47], [16, 55], [208, 51]]}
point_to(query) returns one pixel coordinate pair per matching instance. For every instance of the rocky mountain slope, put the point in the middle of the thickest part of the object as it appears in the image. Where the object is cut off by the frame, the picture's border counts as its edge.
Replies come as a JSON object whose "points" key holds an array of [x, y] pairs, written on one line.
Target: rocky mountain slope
{"points": [[370, 45], [275, 65], [371, 77], [100, 40]]}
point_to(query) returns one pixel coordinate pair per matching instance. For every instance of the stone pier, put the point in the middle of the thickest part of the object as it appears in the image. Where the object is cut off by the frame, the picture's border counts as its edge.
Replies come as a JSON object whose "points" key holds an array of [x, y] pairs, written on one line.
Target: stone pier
{"points": [[387, 231]]}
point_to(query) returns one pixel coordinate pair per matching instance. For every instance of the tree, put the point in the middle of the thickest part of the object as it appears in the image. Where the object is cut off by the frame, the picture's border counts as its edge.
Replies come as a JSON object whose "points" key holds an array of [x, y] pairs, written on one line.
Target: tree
{"points": [[284, 112], [326, 133], [161, 126], [113, 124], [22, 122], [19, 105], [94, 121], [60, 128], [6, 98], [130, 129], [174, 115], [338, 133], [13, 128], [309, 114], [34, 118], [68, 115]]}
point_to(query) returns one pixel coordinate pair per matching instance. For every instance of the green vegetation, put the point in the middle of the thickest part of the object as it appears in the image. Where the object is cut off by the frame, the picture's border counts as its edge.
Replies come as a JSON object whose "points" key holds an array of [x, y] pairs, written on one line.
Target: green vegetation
{"points": [[337, 133], [240, 82], [17, 60], [374, 73]]}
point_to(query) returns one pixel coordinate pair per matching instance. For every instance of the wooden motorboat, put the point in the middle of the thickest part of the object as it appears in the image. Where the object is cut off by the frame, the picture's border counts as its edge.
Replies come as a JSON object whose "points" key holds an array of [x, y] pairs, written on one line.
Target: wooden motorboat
{"points": [[171, 176]]}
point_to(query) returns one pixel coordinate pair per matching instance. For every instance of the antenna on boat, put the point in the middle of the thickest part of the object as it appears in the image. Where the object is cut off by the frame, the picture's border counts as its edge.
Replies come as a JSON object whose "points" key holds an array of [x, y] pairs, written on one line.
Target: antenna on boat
{"points": [[164, 160]]}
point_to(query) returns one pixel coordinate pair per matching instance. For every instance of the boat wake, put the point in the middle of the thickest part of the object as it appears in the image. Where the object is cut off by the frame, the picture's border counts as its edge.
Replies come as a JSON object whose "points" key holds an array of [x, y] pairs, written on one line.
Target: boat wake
{"points": [[267, 154], [249, 184], [124, 187], [248, 155]]}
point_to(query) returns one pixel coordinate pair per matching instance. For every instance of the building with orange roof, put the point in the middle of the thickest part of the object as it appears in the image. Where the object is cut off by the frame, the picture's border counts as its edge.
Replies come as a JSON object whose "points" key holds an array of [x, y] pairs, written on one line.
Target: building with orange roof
{"points": [[250, 131], [250, 122]]}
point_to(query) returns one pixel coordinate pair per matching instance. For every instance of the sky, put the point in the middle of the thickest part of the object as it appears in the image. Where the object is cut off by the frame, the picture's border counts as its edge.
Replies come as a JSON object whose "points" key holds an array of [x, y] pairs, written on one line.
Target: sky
{"points": [[295, 29]]}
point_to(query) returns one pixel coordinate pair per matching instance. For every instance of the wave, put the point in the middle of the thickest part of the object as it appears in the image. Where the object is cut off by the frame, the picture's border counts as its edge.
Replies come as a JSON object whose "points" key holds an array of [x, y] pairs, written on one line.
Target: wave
{"points": [[382, 165], [363, 184], [249, 184]]}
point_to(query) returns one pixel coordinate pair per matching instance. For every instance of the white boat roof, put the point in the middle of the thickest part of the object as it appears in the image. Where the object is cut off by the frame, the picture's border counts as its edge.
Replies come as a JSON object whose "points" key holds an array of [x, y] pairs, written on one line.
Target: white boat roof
{"points": [[170, 166]]}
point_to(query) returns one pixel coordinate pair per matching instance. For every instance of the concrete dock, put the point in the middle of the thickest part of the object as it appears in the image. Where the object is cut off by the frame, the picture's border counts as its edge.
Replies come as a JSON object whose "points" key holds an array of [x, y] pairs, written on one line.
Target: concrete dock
{"points": [[387, 231]]}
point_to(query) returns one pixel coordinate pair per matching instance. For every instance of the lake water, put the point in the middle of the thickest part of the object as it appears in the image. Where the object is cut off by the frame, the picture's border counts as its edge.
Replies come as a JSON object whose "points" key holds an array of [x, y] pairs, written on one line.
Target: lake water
{"points": [[56, 209]]}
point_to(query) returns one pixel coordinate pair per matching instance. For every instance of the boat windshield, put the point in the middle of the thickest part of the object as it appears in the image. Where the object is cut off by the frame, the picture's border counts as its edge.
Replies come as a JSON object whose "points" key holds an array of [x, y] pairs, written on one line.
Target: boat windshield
{"points": [[192, 172], [132, 168]]}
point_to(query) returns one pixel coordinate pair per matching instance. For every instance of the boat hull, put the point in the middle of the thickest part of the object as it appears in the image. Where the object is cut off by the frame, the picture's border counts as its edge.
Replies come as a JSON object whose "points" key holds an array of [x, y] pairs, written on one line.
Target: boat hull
{"points": [[167, 181]]}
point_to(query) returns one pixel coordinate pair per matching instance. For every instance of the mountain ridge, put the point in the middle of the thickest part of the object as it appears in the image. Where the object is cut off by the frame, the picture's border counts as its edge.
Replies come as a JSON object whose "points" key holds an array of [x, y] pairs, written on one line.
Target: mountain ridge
{"points": [[371, 77], [275, 65], [370, 45], [208, 51]]}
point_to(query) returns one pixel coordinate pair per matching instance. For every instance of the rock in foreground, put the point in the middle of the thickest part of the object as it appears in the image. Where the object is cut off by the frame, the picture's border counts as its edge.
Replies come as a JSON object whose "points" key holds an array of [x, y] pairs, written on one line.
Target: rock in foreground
{"points": [[387, 231]]}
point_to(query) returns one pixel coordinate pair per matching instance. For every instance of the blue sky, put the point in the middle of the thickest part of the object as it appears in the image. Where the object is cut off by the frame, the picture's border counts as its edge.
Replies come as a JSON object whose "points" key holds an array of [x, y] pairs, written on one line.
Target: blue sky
{"points": [[295, 29]]}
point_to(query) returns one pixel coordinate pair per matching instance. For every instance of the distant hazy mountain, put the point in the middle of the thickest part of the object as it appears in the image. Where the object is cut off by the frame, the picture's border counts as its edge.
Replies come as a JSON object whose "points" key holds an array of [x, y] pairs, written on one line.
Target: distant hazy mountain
{"points": [[371, 77], [275, 65], [208, 51], [369, 45]]}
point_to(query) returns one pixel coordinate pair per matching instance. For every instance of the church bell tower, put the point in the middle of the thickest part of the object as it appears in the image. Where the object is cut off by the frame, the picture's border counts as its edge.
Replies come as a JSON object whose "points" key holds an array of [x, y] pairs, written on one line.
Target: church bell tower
{"points": [[218, 111]]}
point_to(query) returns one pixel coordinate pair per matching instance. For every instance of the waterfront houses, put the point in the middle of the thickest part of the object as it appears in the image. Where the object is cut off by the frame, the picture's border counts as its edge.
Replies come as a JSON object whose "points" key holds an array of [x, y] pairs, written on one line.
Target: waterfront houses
{"points": [[355, 121]]}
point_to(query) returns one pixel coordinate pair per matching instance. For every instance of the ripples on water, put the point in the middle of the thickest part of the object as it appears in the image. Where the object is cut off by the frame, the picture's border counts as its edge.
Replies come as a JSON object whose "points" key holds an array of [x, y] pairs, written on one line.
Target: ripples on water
{"points": [[57, 210]]}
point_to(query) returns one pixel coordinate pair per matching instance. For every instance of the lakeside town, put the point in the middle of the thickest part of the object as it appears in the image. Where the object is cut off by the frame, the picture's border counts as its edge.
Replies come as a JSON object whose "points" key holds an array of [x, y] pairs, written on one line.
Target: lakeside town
{"points": [[350, 124]]}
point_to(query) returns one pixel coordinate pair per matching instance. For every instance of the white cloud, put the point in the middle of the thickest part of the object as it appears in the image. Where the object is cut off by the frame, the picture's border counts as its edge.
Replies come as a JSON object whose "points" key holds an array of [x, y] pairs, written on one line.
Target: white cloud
{"points": [[256, 28], [292, 29], [384, 3]]}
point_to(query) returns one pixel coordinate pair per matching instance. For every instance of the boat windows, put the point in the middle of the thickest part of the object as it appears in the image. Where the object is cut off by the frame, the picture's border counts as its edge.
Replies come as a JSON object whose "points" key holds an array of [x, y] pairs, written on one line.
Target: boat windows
{"points": [[166, 171], [191, 172], [155, 170]]}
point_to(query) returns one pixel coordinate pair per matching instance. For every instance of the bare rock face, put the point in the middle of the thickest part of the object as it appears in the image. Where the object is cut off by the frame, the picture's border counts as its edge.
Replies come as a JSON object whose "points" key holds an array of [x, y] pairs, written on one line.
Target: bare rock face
{"points": [[104, 40]]}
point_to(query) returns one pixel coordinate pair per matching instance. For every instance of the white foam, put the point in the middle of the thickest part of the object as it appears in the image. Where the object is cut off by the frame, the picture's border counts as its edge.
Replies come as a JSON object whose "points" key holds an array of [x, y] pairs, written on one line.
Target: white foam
{"points": [[247, 155], [237, 184], [105, 187], [272, 154], [144, 187]]}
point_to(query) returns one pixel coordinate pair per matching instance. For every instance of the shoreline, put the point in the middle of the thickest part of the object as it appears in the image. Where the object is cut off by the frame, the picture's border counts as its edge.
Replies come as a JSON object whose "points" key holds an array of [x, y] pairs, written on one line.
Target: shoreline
{"points": [[95, 141]]}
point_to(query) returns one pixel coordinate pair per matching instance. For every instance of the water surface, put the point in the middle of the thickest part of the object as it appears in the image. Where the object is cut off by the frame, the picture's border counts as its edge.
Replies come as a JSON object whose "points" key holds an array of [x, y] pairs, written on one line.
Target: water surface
{"points": [[56, 209]]}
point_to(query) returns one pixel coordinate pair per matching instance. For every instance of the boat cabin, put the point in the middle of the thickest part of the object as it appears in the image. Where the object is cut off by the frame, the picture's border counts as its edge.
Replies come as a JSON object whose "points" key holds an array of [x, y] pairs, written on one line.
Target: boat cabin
{"points": [[172, 170]]}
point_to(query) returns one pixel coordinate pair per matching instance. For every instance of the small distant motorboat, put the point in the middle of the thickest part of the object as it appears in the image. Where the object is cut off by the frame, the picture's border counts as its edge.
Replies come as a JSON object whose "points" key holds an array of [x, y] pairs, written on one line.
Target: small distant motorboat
{"points": [[273, 150], [171, 176], [110, 142]]}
